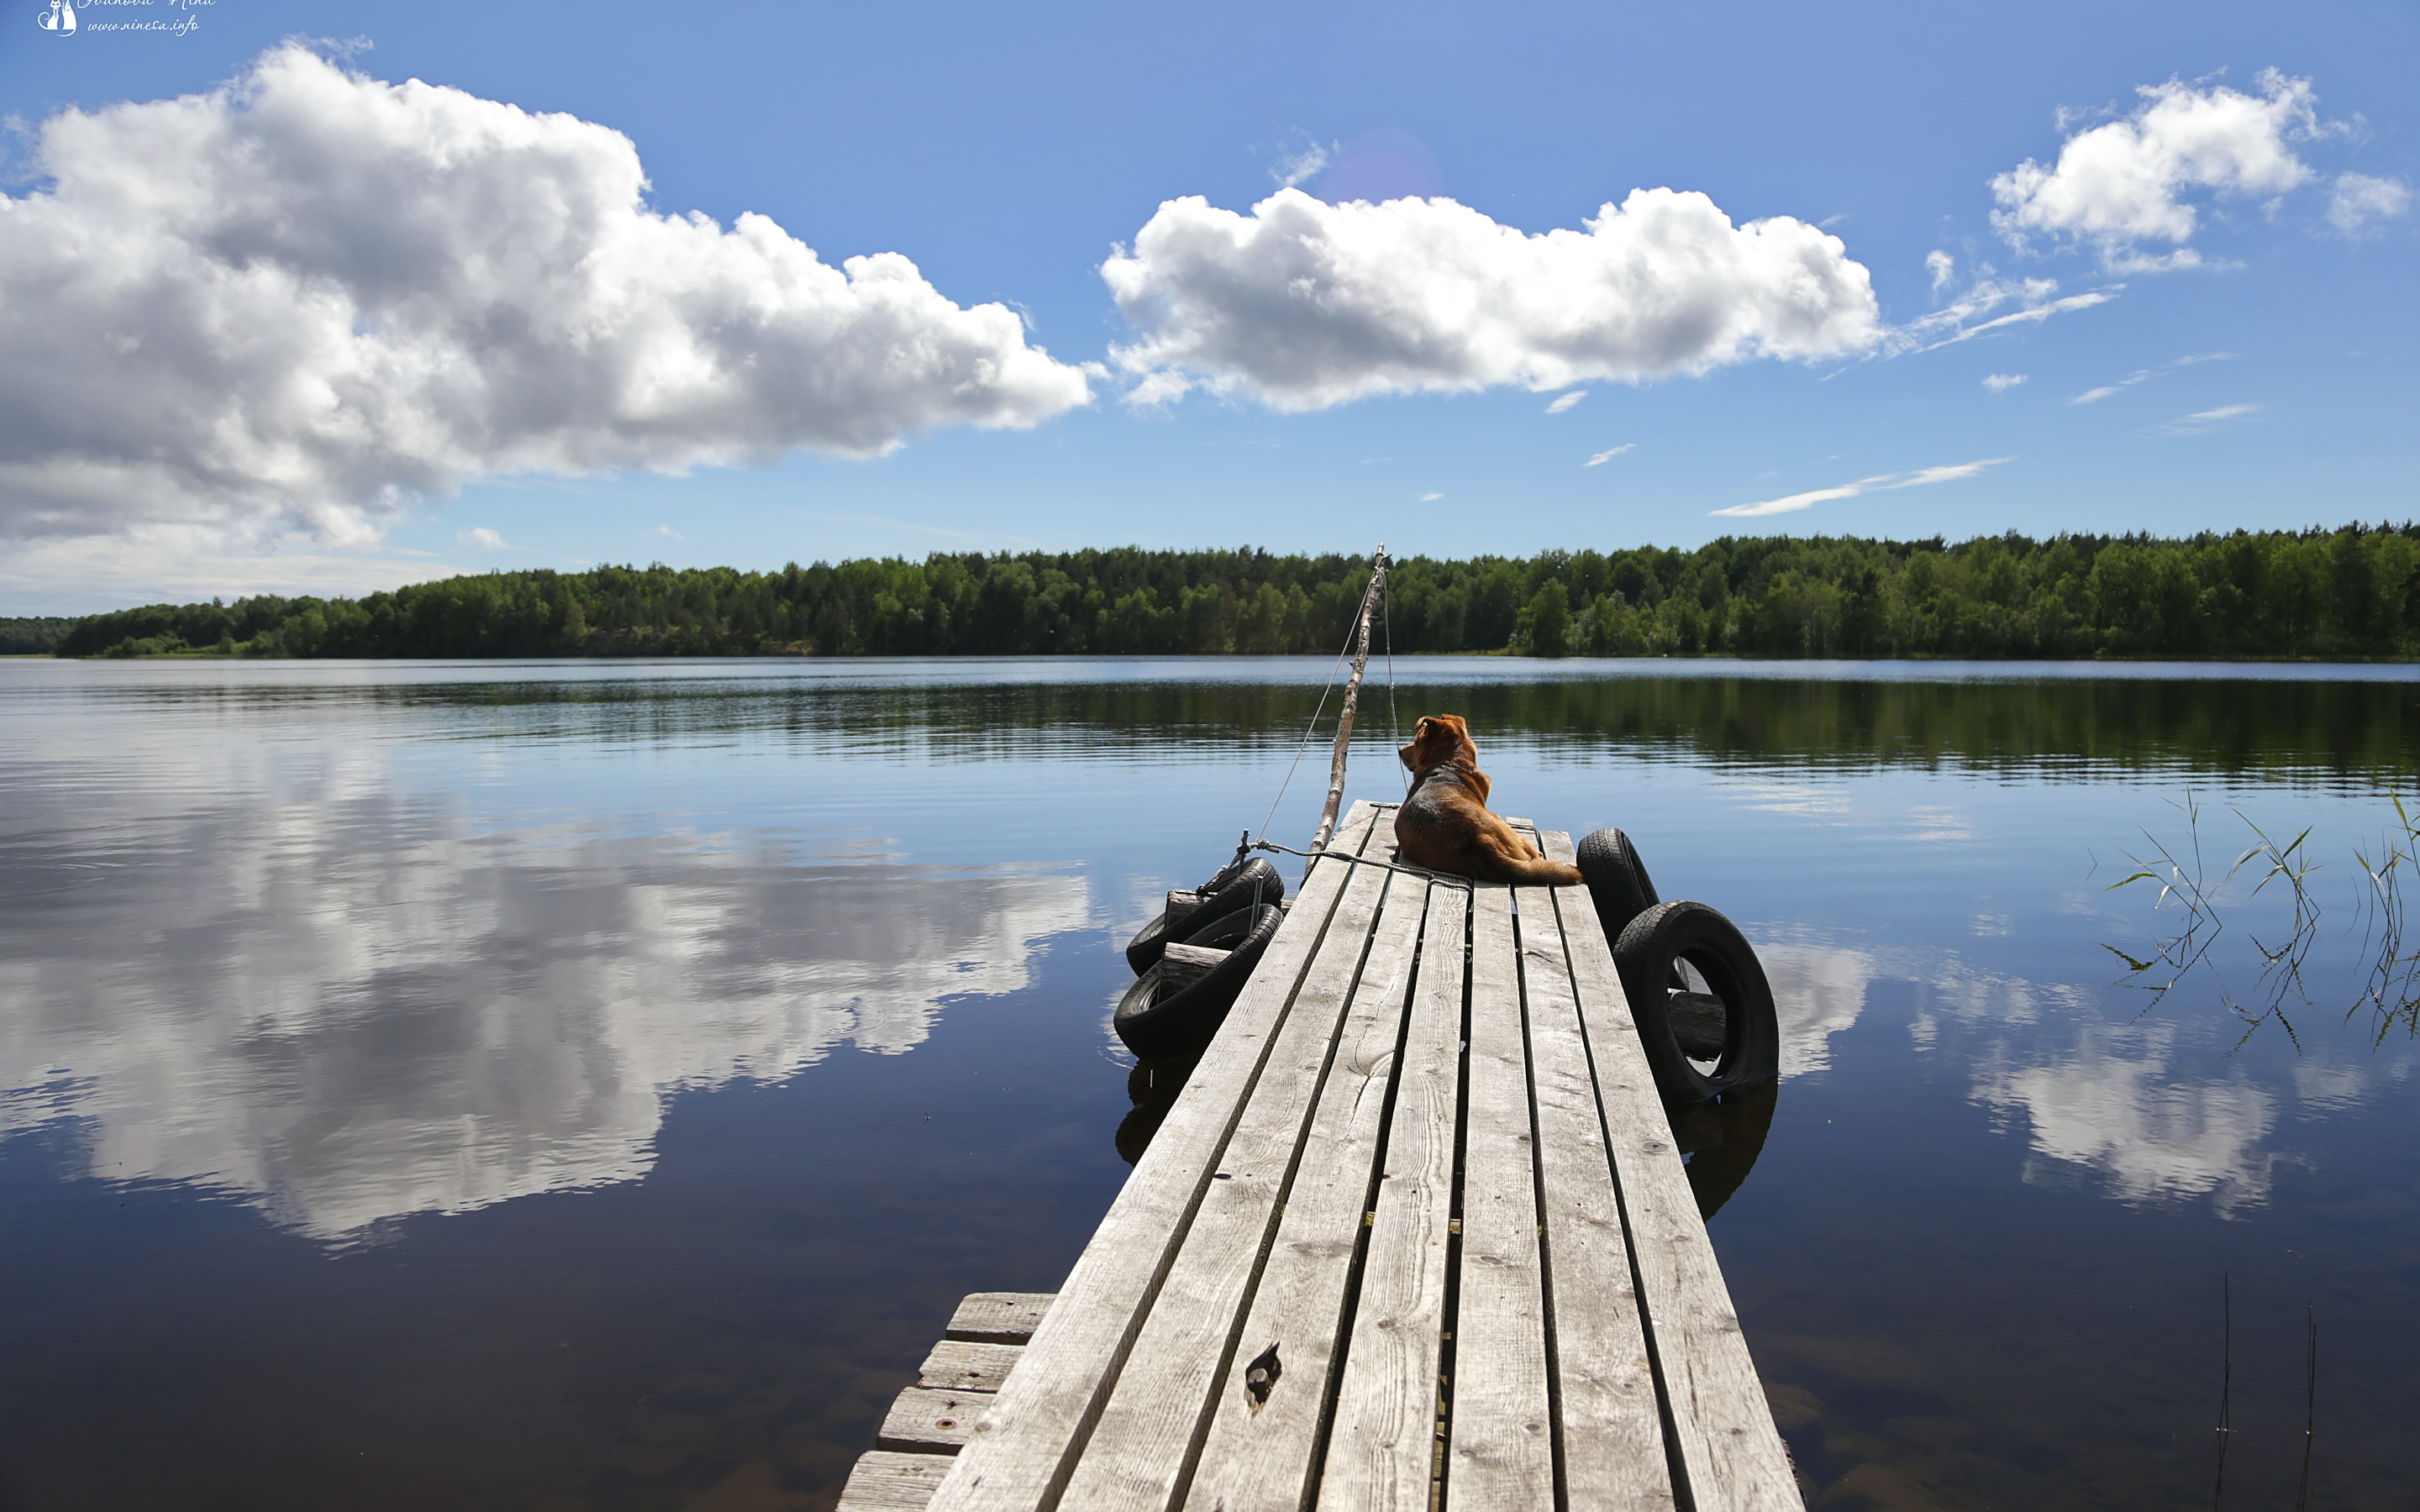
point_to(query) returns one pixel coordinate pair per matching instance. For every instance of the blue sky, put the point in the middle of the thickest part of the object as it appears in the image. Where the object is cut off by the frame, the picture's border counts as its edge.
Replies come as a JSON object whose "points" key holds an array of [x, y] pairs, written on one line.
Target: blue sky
{"points": [[1007, 152]]}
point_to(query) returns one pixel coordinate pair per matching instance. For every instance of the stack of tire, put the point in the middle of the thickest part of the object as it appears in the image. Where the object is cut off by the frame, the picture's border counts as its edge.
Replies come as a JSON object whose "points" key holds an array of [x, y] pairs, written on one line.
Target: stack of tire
{"points": [[1226, 923], [1697, 990]]}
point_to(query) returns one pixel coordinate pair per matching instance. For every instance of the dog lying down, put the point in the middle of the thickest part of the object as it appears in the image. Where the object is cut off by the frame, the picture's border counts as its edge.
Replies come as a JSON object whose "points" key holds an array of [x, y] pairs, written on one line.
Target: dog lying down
{"points": [[1444, 824]]}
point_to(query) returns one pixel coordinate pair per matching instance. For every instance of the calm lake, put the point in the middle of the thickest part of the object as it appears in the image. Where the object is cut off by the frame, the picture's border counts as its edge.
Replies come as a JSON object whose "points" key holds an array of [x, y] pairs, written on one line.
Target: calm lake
{"points": [[591, 1085]]}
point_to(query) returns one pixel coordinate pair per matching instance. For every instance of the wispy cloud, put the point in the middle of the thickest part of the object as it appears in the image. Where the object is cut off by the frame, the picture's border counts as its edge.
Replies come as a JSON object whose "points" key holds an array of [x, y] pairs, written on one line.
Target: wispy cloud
{"points": [[2032, 316], [2193, 424], [1943, 268], [1428, 497], [669, 532], [2145, 374], [1883, 482], [1950, 473], [1962, 318], [1300, 162], [2360, 199], [1566, 401], [2002, 383], [1603, 457], [1806, 500]]}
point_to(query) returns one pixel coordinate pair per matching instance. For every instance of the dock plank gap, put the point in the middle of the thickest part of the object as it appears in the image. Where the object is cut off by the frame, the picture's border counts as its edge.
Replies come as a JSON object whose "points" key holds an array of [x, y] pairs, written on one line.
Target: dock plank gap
{"points": [[1415, 1236]]}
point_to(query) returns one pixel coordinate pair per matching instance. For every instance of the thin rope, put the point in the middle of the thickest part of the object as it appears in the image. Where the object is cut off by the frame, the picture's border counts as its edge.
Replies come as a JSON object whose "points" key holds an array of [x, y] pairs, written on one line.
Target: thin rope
{"points": [[1304, 744], [1394, 720], [1447, 878]]}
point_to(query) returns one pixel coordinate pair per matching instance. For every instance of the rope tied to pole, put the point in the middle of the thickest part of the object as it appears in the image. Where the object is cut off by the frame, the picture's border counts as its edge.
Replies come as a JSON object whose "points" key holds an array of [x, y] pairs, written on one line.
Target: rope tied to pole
{"points": [[1352, 699], [1447, 878]]}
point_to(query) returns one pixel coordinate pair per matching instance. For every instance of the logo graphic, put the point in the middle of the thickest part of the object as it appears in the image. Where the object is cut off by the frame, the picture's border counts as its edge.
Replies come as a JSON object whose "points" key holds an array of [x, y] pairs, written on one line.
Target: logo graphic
{"points": [[60, 18]]}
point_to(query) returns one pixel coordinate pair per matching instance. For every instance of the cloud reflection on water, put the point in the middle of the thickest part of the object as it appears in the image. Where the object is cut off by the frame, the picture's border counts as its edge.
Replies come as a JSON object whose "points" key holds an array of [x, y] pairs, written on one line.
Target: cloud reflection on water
{"points": [[1818, 991], [2117, 1105], [351, 1006], [2156, 1110]]}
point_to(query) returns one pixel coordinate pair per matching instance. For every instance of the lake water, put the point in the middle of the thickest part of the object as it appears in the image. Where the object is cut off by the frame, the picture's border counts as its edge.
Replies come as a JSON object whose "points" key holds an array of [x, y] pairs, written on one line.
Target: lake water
{"points": [[591, 1085]]}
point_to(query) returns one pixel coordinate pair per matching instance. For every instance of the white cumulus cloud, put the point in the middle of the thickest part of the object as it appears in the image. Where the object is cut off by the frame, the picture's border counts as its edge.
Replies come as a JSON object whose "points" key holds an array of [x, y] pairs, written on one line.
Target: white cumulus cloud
{"points": [[484, 538], [1883, 482], [2002, 383], [1302, 304], [2122, 184], [303, 298], [2360, 199]]}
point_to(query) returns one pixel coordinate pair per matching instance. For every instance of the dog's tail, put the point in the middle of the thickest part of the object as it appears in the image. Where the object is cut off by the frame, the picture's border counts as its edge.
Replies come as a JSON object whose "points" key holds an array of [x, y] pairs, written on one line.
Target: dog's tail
{"points": [[1537, 874]]}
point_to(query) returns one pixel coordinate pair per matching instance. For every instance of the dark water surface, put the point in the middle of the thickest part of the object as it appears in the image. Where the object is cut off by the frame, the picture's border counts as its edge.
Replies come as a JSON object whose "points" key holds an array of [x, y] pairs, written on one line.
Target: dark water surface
{"points": [[578, 1086]]}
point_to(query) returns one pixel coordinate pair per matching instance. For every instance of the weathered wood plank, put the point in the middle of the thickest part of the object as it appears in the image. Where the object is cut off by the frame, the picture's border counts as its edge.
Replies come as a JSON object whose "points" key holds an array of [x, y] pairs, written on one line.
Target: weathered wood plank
{"points": [[1182, 966], [1380, 1446], [1024, 1451], [1257, 1456], [998, 1316], [886, 1480], [1722, 1427], [1500, 1449], [922, 1421], [1139, 1450], [958, 1365], [1249, 1221], [1604, 1396]]}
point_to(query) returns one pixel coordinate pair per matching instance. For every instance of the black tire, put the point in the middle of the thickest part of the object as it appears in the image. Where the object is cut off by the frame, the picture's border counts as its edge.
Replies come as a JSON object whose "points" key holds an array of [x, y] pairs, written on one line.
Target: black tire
{"points": [[1239, 885], [1229, 873], [1720, 1141], [1229, 930], [1617, 883], [1648, 955], [1153, 1087], [1180, 1028]]}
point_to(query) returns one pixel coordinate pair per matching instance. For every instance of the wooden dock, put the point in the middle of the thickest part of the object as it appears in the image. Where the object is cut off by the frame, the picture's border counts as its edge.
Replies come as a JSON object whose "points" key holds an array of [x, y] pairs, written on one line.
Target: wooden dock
{"points": [[1414, 1236]]}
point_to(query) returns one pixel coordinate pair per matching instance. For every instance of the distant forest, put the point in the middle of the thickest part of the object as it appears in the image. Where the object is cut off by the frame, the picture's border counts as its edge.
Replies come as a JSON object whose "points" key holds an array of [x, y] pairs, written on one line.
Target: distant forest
{"points": [[2347, 594], [34, 637]]}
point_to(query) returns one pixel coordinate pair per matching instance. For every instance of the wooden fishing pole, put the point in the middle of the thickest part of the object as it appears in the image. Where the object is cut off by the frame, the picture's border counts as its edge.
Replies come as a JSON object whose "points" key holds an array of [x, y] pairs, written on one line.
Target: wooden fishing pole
{"points": [[1352, 697]]}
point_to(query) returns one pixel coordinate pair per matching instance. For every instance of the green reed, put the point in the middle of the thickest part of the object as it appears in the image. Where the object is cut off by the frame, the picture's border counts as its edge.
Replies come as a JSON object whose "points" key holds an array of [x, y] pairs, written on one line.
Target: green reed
{"points": [[2282, 985]]}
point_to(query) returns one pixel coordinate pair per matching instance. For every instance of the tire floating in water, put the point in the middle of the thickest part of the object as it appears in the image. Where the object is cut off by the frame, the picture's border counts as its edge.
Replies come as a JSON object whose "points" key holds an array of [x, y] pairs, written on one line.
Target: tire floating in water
{"points": [[1179, 1025], [1238, 885], [1700, 1044]]}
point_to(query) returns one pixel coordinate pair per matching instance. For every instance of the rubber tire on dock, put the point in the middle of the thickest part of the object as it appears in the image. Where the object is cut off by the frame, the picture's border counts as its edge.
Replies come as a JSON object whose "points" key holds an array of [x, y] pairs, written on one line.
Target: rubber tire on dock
{"points": [[1179, 1028], [1650, 951], [1617, 883], [1238, 885]]}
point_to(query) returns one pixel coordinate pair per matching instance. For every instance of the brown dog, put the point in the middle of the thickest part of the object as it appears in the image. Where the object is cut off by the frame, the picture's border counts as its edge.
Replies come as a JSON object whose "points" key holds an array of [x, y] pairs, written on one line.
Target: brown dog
{"points": [[1444, 824]]}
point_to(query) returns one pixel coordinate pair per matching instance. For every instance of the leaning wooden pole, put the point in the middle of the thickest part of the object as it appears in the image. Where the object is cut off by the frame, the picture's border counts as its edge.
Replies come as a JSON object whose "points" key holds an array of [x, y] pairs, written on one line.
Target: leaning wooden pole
{"points": [[1352, 698]]}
